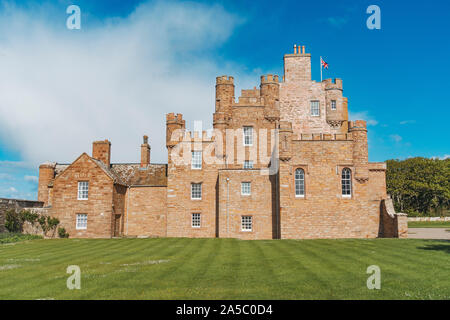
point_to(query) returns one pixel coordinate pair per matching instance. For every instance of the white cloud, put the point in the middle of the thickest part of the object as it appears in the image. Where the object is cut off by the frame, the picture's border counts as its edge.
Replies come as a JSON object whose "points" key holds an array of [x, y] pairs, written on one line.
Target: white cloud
{"points": [[362, 115], [445, 156], [396, 137], [116, 79], [407, 122], [12, 189], [5, 176], [32, 179]]}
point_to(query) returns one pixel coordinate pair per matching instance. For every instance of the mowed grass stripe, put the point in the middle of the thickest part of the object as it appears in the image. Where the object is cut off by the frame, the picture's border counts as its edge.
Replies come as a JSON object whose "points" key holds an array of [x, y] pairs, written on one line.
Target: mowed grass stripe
{"points": [[51, 280], [202, 262], [129, 274], [227, 269], [399, 268], [55, 276], [304, 276], [327, 268], [221, 279], [52, 264], [172, 273]]}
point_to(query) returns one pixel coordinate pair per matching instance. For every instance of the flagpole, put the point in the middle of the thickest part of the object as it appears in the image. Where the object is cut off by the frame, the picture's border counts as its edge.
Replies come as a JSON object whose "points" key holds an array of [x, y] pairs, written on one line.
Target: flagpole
{"points": [[321, 69]]}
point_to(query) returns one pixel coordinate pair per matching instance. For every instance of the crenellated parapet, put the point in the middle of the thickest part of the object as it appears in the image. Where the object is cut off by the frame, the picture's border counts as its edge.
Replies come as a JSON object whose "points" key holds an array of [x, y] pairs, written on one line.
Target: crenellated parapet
{"points": [[224, 94], [173, 122], [333, 84], [250, 97], [270, 93]]}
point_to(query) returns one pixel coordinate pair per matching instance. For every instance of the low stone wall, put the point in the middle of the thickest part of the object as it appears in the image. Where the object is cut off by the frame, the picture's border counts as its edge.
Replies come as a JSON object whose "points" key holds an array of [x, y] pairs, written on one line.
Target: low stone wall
{"points": [[392, 224], [429, 219], [16, 204], [35, 228]]}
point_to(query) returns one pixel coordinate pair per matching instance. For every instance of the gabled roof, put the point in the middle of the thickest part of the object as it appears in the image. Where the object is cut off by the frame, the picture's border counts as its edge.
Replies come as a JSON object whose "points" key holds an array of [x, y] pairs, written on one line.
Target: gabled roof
{"points": [[101, 165], [126, 174]]}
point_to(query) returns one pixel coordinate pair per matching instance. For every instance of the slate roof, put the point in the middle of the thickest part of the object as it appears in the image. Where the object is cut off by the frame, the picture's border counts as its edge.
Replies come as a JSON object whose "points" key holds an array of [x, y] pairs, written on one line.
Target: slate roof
{"points": [[129, 174], [132, 175]]}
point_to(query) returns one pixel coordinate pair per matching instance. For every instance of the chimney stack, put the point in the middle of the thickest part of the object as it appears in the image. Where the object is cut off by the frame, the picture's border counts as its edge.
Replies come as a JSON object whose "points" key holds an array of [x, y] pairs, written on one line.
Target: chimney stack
{"points": [[145, 153], [101, 150]]}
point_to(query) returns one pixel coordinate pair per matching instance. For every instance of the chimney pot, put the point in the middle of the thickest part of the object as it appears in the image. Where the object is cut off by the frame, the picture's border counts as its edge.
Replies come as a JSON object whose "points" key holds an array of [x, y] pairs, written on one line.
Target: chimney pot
{"points": [[145, 153]]}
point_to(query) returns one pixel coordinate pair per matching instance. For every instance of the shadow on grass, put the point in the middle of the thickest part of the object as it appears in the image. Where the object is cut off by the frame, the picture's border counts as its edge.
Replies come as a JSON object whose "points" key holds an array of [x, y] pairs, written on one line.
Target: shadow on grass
{"points": [[443, 246]]}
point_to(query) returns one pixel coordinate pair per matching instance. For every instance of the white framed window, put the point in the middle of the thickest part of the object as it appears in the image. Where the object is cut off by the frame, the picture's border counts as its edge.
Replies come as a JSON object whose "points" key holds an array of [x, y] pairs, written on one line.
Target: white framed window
{"points": [[248, 136], [299, 183], [246, 223], [196, 190], [246, 188], [248, 164], [315, 109], [333, 104], [196, 220], [196, 160], [83, 190], [81, 221], [346, 183]]}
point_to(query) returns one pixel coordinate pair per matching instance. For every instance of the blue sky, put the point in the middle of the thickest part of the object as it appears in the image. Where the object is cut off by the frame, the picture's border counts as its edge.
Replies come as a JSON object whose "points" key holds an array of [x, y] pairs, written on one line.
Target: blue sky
{"points": [[134, 61]]}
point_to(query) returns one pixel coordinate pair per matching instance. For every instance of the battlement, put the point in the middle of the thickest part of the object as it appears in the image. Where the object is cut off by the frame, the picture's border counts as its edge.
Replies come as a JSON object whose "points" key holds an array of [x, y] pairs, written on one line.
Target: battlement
{"points": [[357, 125], [193, 136], [175, 118], [106, 141], [225, 80], [333, 84], [269, 79], [325, 137], [250, 93]]}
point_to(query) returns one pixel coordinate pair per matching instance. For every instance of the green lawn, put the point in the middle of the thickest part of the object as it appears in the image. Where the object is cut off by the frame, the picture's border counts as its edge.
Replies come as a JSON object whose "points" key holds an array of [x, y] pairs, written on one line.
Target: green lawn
{"points": [[180, 268], [429, 224]]}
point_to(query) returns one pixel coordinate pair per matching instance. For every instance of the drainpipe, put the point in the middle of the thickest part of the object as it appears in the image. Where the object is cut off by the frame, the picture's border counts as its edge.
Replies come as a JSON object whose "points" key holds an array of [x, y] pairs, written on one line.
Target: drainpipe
{"points": [[228, 198], [128, 205]]}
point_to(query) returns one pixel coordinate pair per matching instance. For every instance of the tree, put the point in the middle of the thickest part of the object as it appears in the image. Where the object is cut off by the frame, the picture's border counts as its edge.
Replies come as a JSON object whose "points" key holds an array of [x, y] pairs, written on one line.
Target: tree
{"points": [[419, 185]]}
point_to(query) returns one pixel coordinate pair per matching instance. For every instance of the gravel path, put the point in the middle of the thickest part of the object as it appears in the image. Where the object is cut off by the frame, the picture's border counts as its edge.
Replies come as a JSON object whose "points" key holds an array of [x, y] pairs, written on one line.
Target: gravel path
{"points": [[429, 233]]}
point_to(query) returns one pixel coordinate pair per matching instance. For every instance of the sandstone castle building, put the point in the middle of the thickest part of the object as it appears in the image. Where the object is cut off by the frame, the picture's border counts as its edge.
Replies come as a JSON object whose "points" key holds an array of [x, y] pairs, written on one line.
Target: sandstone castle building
{"points": [[282, 161]]}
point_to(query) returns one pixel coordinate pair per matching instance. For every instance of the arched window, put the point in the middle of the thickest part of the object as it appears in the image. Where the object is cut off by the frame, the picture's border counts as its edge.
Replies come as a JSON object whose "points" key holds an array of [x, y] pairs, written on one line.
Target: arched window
{"points": [[299, 182], [346, 182]]}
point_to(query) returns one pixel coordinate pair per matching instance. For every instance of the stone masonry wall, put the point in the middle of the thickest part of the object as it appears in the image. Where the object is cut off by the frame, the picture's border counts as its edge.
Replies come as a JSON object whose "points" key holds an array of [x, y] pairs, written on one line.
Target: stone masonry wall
{"points": [[146, 212], [323, 212], [16, 204], [233, 205], [98, 207], [298, 90]]}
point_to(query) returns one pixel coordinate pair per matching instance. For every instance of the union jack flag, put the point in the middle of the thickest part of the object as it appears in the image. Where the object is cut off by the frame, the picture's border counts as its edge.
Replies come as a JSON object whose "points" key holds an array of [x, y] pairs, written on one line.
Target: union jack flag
{"points": [[324, 64]]}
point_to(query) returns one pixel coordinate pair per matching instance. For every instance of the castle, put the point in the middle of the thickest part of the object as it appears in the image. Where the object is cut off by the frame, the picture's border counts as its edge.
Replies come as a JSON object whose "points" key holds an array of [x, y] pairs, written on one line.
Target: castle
{"points": [[283, 162]]}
